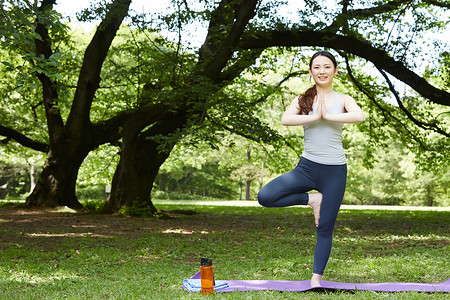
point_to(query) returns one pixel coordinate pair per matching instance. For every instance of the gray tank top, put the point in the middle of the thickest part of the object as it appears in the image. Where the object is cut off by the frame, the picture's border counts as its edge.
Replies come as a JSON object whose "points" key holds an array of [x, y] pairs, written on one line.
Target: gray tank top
{"points": [[323, 139]]}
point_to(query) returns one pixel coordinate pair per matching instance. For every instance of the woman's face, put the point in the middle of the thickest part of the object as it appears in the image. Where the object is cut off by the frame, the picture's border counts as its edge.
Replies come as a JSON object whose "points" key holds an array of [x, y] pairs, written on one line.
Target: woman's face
{"points": [[322, 70]]}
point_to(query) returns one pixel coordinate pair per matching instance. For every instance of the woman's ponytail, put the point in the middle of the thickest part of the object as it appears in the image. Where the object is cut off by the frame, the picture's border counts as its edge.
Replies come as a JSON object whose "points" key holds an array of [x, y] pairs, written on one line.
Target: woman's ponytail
{"points": [[306, 100]]}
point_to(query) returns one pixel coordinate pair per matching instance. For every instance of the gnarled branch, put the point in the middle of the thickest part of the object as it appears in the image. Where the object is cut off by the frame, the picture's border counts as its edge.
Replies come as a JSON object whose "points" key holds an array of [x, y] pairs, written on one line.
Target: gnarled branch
{"points": [[220, 45], [349, 44], [12, 134], [380, 107], [423, 125], [95, 54]]}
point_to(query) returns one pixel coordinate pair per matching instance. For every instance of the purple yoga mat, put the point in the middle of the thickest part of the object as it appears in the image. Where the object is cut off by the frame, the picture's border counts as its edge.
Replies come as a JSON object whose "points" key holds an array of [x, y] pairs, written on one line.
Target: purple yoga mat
{"points": [[303, 285]]}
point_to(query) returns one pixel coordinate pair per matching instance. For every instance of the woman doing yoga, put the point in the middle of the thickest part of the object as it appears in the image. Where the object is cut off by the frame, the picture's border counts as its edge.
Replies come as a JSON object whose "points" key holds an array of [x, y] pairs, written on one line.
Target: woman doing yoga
{"points": [[322, 166]]}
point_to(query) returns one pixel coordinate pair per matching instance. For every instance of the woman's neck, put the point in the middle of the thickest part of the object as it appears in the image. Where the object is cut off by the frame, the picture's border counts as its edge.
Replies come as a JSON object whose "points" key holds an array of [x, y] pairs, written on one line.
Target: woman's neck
{"points": [[324, 89]]}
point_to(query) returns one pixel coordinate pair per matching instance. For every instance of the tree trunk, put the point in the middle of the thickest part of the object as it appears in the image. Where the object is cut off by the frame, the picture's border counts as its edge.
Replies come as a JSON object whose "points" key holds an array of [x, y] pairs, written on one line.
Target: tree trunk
{"points": [[429, 195], [248, 184], [163, 181], [261, 176], [141, 157], [240, 190], [32, 177], [248, 181], [134, 177], [56, 183]]}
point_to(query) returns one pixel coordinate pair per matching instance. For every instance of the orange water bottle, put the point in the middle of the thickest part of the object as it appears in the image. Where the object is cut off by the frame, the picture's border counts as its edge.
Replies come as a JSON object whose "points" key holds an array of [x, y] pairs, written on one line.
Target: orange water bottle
{"points": [[206, 276]]}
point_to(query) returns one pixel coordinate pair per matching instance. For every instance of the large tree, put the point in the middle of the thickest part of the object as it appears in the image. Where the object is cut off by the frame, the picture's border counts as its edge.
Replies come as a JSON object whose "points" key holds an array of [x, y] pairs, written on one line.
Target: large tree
{"points": [[196, 91], [69, 140]]}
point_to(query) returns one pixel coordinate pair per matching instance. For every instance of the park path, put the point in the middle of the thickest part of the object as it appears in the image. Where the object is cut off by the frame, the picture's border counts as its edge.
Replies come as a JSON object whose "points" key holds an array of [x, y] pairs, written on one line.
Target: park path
{"points": [[244, 203]]}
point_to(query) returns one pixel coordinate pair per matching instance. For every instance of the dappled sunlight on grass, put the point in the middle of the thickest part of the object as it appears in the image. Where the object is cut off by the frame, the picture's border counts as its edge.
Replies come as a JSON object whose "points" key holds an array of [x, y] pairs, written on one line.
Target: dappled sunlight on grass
{"points": [[403, 267], [416, 238], [184, 231], [86, 226], [68, 234], [27, 277], [387, 238]]}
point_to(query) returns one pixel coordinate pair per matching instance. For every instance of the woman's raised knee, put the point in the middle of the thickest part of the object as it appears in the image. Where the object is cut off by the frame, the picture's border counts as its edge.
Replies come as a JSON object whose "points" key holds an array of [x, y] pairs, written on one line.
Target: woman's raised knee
{"points": [[264, 198]]}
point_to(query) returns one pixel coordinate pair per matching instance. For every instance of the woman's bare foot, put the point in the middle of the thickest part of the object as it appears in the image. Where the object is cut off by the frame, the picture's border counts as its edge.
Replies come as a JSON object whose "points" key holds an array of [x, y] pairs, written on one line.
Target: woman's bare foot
{"points": [[315, 200], [315, 280]]}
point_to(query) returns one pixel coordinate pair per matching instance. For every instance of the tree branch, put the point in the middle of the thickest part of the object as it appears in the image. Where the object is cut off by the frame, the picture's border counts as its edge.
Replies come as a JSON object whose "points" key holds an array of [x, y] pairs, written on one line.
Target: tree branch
{"points": [[6, 15], [49, 91], [95, 54], [220, 44], [376, 10], [248, 58], [231, 130], [286, 78], [349, 44], [380, 9], [380, 107], [426, 126], [22, 139], [247, 136], [108, 131], [437, 3], [363, 12]]}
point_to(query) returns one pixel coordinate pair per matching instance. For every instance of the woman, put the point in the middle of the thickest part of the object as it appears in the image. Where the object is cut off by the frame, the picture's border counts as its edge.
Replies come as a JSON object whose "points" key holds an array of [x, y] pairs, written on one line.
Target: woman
{"points": [[322, 166]]}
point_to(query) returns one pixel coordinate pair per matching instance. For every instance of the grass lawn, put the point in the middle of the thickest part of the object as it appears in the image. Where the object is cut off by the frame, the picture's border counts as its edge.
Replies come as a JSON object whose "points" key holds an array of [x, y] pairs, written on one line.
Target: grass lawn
{"points": [[63, 255]]}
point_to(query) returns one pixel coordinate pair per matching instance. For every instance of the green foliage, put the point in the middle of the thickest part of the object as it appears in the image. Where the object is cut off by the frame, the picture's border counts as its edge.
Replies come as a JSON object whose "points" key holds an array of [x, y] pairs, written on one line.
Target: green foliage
{"points": [[16, 164], [99, 166], [93, 205], [20, 88], [14, 182], [91, 192], [139, 209], [210, 180], [96, 11], [161, 195], [197, 170]]}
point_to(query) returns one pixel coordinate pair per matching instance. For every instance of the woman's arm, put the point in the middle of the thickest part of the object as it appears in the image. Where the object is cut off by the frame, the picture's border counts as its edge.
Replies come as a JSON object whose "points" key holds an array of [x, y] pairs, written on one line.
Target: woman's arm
{"points": [[352, 114], [292, 117]]}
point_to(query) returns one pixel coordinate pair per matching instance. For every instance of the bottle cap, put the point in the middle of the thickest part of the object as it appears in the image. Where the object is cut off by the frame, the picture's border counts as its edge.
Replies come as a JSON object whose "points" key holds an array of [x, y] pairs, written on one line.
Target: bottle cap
{"points": [[205, 262]]}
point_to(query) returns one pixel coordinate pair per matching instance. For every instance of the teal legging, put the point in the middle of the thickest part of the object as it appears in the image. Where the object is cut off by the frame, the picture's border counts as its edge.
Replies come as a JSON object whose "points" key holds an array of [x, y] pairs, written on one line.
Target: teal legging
{"points": [[291, 189]]}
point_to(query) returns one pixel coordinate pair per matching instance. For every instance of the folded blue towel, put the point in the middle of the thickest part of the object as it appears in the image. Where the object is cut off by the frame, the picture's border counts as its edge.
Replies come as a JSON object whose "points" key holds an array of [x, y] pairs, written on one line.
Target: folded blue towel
{"points": [[194, 285]]}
